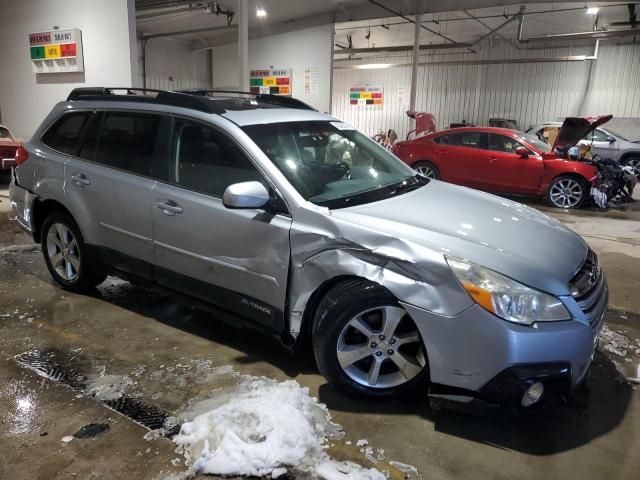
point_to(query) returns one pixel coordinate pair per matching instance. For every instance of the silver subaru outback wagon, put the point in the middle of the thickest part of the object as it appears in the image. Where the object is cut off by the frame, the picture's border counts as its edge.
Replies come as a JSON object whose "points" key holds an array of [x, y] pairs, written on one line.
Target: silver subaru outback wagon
{"points": [[266, 211]]}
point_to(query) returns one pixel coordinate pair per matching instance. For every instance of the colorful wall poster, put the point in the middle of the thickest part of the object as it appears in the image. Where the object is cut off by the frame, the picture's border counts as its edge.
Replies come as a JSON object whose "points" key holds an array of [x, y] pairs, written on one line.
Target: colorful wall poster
{"points": [[57, 51], [272, 81], [366, 95]]}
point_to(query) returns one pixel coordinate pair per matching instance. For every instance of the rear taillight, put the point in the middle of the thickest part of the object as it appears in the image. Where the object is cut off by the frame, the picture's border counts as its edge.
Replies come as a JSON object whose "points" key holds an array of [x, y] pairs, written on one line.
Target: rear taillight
{"points": [[21, 155]]}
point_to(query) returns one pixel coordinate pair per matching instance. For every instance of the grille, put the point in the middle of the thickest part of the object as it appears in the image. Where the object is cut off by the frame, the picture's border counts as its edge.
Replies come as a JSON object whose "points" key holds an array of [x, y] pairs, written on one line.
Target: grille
{"points": [[589, 289]]}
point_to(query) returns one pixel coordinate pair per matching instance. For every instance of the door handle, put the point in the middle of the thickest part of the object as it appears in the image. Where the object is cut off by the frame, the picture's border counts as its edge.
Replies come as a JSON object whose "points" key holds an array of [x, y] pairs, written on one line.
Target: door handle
{"points": [[493, 159], [80, 179], [169, 207]]}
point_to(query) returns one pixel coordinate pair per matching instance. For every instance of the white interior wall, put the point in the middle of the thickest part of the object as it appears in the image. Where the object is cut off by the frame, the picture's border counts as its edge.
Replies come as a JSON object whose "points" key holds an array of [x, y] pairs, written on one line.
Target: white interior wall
{"points": [[527, 92], [172, 65], [298, 50], [26, 98]]}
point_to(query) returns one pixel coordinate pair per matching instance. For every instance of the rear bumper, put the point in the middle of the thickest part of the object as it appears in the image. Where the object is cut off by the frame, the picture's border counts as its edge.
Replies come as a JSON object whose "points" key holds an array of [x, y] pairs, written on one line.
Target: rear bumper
{"points": [[22, 204]]}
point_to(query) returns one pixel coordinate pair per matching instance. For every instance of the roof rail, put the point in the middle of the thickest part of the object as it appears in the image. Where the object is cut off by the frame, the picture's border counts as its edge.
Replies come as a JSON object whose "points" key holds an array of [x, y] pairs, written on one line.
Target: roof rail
{"points": [[281, 101], [162, 97]]}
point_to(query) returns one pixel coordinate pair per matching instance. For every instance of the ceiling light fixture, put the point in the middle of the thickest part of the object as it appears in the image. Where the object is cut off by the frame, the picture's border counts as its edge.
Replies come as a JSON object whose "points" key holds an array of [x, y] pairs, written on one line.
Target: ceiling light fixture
{"points": [[372, 66], [593, 10], [261, 12]]}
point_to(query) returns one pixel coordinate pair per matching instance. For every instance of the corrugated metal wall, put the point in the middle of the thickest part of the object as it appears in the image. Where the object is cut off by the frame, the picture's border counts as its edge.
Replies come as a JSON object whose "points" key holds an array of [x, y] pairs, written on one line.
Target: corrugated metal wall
{"points": [[171, 65], [527, 92]]}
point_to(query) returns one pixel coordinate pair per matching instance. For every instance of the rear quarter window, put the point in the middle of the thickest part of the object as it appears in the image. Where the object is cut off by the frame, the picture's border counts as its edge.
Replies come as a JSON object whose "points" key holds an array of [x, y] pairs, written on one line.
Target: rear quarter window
{"points": [[64, 135]]}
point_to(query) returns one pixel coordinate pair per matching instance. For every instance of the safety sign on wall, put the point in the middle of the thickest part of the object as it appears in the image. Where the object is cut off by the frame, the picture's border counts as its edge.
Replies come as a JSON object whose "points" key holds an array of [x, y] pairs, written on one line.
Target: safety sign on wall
{"points": [[273, 81], [57, 51], [366, 95]]}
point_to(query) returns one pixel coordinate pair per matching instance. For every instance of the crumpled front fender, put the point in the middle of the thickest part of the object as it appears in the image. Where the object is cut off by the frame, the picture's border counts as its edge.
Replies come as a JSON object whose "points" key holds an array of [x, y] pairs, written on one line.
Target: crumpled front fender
{"points": [[412, 273]]}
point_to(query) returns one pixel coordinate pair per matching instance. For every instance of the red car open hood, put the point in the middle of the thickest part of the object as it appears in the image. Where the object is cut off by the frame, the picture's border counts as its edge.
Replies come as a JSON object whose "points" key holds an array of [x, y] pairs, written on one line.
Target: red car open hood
{"points": [[575, 129]]}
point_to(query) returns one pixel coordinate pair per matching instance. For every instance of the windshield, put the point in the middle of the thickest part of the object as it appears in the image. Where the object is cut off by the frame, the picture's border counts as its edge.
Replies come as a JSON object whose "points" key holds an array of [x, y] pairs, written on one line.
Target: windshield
{"points": [[331, 164], [534, 141]]}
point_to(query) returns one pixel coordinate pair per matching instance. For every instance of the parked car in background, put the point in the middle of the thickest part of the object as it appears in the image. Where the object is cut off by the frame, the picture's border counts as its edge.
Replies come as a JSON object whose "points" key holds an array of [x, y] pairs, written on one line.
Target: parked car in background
{"points": [[499, 160], [503, 123], [8, 146], [603, 141]]}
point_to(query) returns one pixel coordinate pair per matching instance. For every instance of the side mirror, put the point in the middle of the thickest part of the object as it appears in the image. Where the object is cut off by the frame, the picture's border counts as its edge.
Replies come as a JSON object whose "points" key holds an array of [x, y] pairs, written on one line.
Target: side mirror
{"points": [[610, 139], [523, 152], [245, 195]]}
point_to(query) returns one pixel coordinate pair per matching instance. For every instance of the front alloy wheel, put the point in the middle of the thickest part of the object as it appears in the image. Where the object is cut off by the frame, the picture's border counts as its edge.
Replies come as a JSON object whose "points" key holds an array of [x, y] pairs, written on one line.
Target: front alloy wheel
{"points": [[381, 348], [566, 192], [366, 344], [635, 164]]}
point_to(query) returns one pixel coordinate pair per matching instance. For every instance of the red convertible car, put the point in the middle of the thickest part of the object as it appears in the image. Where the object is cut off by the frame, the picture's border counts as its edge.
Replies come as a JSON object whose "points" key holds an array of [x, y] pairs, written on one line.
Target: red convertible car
{"points": [[8, 146], [506, 161]]}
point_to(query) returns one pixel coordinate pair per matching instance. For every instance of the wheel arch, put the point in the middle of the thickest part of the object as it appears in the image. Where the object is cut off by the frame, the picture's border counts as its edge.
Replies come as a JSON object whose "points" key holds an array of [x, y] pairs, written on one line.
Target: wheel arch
{"points": [[628, 155], [41, 210]]}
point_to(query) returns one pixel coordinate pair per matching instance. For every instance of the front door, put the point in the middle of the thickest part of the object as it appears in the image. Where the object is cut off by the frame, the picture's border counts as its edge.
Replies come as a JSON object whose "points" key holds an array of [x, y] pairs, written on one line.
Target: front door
{"points": [[109, 186], [509, 172], [236, 259]]}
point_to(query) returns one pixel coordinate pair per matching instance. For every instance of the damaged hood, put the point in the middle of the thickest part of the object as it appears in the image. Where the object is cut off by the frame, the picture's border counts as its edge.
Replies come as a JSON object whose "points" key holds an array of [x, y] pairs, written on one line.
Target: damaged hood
{"points": [[494, 232], [575, 129]]}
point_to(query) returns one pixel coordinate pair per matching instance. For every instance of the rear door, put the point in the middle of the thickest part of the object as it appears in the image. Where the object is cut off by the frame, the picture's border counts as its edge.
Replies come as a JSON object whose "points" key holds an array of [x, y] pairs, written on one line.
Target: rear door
{"points": [[462, 158], [235, 259], [509, 172], [108, 183]]}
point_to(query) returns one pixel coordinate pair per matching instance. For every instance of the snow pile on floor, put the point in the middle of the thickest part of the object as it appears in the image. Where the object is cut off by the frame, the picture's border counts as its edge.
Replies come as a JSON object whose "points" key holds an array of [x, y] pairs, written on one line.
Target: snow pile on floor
{"points": [[614, 342], [264, 428]]}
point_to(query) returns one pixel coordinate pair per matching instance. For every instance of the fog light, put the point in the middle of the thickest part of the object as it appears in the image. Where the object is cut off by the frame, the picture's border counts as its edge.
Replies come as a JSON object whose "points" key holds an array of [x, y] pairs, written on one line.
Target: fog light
{"points": [[533, 394]]}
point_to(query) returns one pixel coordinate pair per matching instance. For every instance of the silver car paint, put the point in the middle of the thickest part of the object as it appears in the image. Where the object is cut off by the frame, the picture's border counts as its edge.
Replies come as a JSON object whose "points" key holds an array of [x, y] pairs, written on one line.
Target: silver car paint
{"points": [[399, 243]]}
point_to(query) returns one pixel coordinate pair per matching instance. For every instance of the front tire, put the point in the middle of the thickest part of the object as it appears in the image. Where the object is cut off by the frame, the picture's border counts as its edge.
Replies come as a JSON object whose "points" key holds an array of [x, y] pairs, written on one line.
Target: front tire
{"points": [[567, 192], [634, 162], [66, 254], [366, 344]]}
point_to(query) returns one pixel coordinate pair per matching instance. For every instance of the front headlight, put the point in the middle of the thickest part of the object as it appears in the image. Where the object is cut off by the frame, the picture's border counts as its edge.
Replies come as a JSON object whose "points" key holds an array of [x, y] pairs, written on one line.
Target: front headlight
{"points": [[505, 297]]}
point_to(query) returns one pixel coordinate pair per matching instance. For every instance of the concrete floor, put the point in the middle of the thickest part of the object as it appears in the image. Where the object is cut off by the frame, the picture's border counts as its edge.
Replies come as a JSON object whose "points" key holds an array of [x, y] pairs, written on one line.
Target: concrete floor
{"points": [[172, 355]]}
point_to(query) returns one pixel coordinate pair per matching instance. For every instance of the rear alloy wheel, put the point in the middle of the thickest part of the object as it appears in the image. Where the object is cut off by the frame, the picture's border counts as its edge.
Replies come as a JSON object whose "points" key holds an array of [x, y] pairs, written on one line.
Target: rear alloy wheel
{"points": [[65, 254], [366, 344], [427, 169], [567, 192], [634, 163]]}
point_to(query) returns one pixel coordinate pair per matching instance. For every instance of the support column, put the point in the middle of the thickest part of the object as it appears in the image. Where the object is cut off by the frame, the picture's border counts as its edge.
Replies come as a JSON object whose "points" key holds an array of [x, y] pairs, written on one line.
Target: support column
{"points": [[414, 70], [243, 45]]}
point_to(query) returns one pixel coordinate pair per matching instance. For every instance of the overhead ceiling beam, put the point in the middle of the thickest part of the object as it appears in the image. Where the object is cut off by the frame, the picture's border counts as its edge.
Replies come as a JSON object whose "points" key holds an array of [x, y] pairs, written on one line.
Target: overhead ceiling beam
{"points": [[403, 48]]}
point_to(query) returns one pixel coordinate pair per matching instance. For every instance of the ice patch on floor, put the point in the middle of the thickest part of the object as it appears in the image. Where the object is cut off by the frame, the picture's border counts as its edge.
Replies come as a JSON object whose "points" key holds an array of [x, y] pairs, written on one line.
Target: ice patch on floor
{"points": [[264, 428], [614, 342], [108, 387]]}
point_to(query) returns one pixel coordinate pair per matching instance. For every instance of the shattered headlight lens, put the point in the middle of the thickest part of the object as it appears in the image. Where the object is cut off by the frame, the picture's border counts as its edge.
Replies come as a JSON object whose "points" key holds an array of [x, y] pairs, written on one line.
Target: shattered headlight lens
{"points": [[505, 297]]}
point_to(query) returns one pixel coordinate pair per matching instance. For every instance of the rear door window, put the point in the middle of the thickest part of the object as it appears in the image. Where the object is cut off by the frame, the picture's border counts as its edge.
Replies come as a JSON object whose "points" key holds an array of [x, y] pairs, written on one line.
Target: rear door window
{"points": [[64, 135], [467, 139], [127, 141]]}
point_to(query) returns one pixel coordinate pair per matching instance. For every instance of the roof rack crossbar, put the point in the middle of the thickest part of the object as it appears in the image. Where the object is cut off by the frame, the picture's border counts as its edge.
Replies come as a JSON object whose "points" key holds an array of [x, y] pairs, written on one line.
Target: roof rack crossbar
{"points": [[163, 97], [281, 101]]}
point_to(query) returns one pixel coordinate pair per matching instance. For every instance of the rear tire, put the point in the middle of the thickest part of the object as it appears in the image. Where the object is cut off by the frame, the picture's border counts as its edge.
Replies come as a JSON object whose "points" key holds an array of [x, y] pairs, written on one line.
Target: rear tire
{"points": [[427, 169], [66, 254], [567, 191], [366, 344]]}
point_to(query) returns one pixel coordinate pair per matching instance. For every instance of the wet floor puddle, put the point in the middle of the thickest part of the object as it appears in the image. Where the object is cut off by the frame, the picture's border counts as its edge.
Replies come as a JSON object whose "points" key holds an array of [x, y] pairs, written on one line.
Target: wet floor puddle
{"points": [[48, 365]]}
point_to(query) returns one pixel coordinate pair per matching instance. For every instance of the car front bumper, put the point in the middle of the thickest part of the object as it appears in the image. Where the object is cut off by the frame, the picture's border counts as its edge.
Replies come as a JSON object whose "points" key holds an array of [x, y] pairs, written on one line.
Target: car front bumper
{"points": [[478, 356]]}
